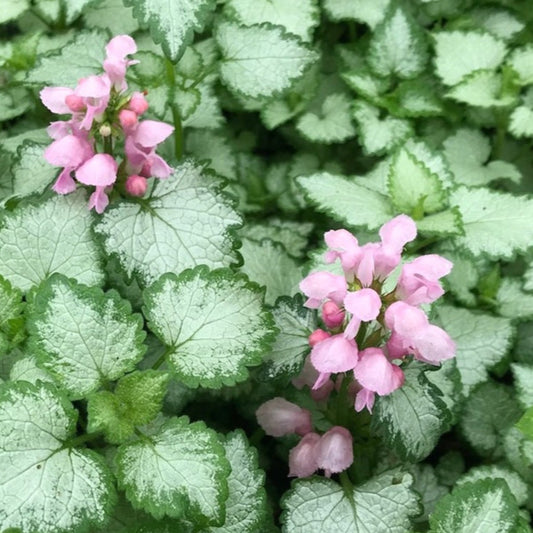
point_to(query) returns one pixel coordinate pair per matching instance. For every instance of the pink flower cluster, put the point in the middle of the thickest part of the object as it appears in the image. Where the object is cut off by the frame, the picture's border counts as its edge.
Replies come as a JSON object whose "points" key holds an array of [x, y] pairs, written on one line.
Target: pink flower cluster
{"points": [[367, 333], [102, 115]]}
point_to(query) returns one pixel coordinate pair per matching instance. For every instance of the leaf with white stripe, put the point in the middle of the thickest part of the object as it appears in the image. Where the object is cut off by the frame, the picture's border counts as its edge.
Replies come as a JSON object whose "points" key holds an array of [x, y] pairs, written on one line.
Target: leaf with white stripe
{"points": [[370, 12]]}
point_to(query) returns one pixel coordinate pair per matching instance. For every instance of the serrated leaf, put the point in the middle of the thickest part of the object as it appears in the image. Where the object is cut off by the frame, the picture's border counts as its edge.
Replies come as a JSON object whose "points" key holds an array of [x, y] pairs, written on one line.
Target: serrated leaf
{"points": [[482, 88], [467, 151], [489, 412], [525, 424], [180, 471], [416, 98], [482, 341], [479, 50], [186, 215], [412, 418], [512, 301], [213, 322], [485, 505], [172, 24], [413, 188], [11, 307], [260, 60], [268, 264], [518, 450], [521, 61], [345, 200], [46, 485], [208, 113], [295, 323], [206, 144], [34, 245], [330, 124], [428, 486], [499, 22], [26, 369], [445, 223], [523, 377], [113, 16], [398, 46], [80, 58], [11, 9], [299, 17], [83, 336], [370, 13], [384, 504], [520, 122], [378, 135], [496, 224], [14, 101], [246, 507]]}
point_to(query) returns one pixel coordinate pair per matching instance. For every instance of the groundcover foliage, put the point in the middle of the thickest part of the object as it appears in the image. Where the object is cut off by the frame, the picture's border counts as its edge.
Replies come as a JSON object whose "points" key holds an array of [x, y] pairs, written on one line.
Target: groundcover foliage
{"points": [[176, 178]]}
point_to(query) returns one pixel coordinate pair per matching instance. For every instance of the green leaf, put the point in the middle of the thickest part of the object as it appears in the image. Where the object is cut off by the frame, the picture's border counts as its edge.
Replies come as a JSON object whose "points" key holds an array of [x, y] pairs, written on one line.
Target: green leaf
{"points": [[500, 23], [246, 506], [13, 102], [412, 418], [11, 9], [489, 412], [11, 307], [479, 50], [213, 322], [512, 301], [172, 24], [467, 151], [485, 505], [47, 485], [525, 424], [111, 15], [523, 377], [398, 46], [482, 341], [34, 244], [136, 401], [445, 223], [187, 216], [378, 135], [83, 336], [496, 224], [260, 60], [295, 323], [345, 200], [180, 471], [268, 264], [206, 144], [428, 486], [80, 58], [331, 123], [26, 369], [384, 504], [413, 188], [521, 116], [370, 13], [521, 61], [513, 480], [299, 17], [416, 98]]}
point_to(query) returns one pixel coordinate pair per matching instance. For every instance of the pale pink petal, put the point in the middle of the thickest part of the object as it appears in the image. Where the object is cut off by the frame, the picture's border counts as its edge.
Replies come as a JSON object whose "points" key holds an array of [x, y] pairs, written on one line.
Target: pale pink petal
{"points": [[136, 185], [150, 133], [159, 167], [321, 380], [396, 233], [352, 328], [54, 99], [396, 346], [280, 417], [364, 304], [59, 129], [434, 345], [374, 372], [302, 459], [64, 183], [405, 319], [93, 87], [364, 398], [138, 103], [334, 451], [365, 268], [121, 46], [68, 151], [342, 245], [335, 354], [332, 314], [321, 285], [99, 170], [98, 200], [323, 391], [318, 336]]}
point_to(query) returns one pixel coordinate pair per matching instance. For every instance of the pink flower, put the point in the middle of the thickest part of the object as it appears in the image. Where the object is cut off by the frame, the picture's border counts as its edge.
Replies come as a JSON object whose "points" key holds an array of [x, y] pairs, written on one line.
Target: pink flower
{"points": [[116, 63], [318, 336], [364, 305], [412, 333], [278, 417], [309, 376], [138, 103], [101, 172], [322, 285], [54, 98], [365, 398], [332, 314], [344, 246], [376, 373], [334, 451], [418, 282], [95, 91], [136, 185], [128, 120], [302, 458]]}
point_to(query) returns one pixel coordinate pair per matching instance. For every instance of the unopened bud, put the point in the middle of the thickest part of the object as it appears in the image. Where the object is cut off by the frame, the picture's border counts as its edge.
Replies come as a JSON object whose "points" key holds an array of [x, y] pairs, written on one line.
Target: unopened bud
{"points": [[136, 185], [105, 130], [332, 314], [279, 417], [75, 103], [128, 119], [318, 336], [138, 103], [334, 452], [302, 458]]}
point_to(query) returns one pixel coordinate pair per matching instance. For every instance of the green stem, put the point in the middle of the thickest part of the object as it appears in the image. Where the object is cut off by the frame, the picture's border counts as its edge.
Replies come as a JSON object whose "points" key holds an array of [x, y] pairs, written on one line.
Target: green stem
{"points": [[162, 358], [347, 486], [82, 439], [176, 116], [108, 145]]}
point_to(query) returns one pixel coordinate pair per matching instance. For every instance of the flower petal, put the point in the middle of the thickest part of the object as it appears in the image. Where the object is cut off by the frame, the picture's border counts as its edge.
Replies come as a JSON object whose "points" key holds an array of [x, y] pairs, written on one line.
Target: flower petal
{"points": [[99, 170], [150, 133], [54, 99], [374, 372], [335, 354]]}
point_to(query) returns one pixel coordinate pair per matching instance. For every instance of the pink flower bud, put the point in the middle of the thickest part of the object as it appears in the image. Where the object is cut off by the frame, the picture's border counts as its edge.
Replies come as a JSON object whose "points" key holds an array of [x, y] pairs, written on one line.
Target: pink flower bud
{"points": [[332, 314], [75, 103], [138, 103], [136, 185], [318, 336], [334, 451], [302, 459], [279, 417], [128, 119]]}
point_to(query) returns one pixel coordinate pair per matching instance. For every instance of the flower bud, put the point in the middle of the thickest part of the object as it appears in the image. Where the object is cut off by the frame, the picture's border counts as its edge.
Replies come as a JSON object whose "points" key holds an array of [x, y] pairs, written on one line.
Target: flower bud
{"points": [[75, 103], [138, 103], [136, 185], [318, 336], [128, 119], [105, 130], [279, 417], [332, 314], [334, 451], [302, 460]]}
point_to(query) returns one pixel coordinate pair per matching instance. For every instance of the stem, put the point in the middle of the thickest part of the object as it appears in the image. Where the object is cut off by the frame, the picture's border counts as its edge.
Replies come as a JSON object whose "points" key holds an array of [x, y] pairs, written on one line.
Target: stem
{"points": [[176, 116], [108, 145], [347, 486], [162, 357], [82, 439]]}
